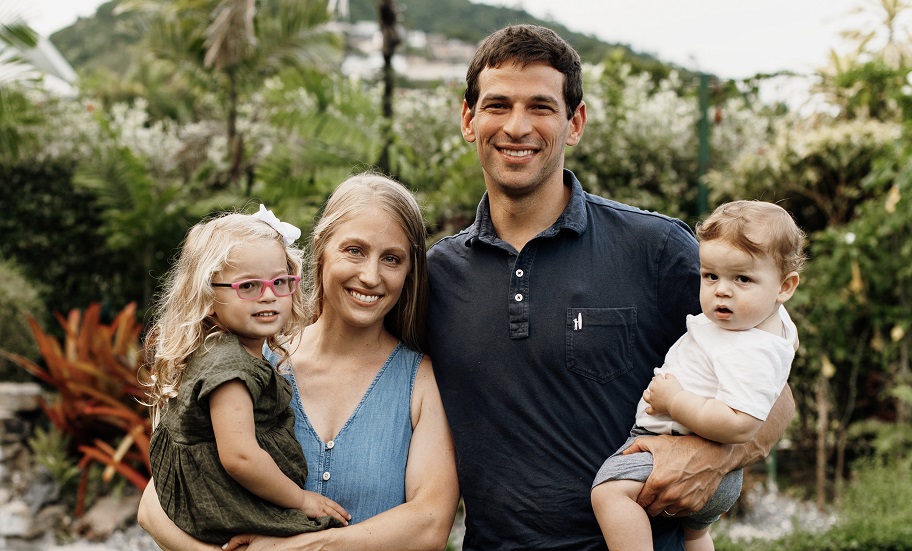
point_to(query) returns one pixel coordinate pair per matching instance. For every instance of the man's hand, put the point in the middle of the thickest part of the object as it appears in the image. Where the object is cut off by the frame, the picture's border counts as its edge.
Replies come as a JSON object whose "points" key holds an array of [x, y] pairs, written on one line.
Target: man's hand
{"points": [[686, 472]]}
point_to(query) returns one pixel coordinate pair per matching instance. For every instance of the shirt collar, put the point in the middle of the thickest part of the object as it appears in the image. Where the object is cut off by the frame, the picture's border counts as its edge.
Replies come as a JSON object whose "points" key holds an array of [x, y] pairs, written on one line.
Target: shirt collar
{"points": [[573, 218]]}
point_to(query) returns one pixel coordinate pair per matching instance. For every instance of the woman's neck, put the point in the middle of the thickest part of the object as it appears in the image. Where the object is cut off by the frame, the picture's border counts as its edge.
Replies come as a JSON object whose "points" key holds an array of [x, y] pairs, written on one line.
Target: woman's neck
{"points": [[366, 345]]}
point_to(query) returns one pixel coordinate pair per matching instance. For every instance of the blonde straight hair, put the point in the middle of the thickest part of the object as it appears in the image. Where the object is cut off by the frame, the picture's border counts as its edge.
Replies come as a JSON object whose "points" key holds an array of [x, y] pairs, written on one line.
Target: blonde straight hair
{"points": [[372, 191]]}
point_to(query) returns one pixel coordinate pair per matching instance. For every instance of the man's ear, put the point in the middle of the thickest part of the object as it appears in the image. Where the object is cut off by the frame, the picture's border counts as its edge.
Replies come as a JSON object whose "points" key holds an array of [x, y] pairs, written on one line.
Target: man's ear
{"points": [[577, 124], [787, 287], [468, 133]]}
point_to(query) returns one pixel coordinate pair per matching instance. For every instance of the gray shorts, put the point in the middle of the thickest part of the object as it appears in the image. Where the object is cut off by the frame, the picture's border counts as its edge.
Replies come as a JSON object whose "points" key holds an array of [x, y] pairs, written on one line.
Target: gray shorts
{"points": [[638, 466]]}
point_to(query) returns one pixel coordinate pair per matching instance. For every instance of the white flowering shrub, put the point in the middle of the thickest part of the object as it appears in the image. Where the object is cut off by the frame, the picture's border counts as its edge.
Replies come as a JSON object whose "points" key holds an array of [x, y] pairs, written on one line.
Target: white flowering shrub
{"points": [[70, 132], [641, 143], [433, 159], [814, 165]]}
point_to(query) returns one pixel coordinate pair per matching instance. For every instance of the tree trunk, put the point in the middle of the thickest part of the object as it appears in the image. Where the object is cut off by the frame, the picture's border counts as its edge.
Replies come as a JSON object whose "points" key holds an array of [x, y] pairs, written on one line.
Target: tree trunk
{"points": [[388, 16], [903, 370], [842, 436], [903, 407], [235, 140], [823, 422]]}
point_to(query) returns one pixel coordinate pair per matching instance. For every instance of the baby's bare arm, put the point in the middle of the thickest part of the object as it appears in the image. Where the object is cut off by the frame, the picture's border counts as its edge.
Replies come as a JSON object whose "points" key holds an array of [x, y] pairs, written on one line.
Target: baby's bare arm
{"points": [[710, 418]]}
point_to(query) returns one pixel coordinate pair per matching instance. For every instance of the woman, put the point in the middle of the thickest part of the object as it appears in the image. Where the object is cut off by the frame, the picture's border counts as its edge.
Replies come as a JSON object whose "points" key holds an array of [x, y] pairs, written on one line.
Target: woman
{"points": [[368, 414]]}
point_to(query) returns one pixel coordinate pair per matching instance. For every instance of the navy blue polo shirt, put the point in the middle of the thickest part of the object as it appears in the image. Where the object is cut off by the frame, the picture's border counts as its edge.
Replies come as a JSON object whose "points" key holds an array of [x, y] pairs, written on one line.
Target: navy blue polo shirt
{"points": [[541, 357]]}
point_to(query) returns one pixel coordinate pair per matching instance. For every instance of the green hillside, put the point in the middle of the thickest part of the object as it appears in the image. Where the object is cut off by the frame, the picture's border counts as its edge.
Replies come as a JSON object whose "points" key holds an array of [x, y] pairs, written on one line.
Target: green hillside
{"points": [[103, 42], [471, 22]]}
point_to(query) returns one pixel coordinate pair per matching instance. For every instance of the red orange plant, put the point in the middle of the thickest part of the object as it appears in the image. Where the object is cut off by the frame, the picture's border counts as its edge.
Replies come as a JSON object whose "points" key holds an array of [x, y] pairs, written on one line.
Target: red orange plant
{"points": [[98, 400]]}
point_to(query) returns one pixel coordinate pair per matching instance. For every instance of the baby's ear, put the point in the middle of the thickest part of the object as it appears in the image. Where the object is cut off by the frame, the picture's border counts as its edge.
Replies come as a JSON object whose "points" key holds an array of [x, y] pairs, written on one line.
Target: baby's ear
{"points": [[787, 287]]}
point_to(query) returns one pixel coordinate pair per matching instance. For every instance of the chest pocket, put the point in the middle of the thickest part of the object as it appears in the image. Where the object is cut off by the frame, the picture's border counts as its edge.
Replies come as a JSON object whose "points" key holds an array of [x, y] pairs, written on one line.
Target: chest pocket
{"points": [[600, 342]]}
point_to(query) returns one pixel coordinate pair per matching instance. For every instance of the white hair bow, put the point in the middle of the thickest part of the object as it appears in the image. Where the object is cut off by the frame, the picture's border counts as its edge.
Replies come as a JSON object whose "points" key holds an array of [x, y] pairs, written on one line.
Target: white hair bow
{"points": [[290, 233]]}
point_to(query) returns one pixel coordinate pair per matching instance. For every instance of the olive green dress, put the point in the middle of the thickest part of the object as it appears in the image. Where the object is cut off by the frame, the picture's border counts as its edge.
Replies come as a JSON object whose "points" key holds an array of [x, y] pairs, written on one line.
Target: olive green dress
{"points": [[194, 489]]}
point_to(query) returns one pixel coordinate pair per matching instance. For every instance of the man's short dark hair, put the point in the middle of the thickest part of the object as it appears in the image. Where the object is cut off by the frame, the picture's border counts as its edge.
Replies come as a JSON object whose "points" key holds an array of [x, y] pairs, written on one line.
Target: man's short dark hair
{"points": [[527, 44]]}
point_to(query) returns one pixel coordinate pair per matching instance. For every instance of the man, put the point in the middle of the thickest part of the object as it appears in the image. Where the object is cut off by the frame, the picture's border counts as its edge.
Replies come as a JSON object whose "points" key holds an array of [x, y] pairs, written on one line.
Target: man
{"points": [[548, 315]]}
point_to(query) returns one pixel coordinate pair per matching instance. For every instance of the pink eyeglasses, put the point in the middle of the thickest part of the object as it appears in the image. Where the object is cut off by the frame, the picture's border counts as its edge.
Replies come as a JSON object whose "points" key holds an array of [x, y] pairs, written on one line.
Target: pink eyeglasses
{"points": [[253, 289]]}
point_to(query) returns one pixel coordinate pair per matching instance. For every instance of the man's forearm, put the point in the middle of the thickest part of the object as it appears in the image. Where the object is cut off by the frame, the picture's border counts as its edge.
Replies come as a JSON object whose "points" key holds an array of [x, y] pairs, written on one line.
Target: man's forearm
{"points": [[769, 433]]}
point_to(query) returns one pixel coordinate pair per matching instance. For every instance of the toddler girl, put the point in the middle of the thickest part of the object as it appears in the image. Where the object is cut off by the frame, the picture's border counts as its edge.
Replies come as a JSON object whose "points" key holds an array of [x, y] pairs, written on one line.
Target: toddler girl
{"points": [[223, 452]]}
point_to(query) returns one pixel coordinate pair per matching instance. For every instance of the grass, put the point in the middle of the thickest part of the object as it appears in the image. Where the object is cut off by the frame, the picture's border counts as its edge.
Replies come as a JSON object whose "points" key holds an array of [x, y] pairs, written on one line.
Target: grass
{"points": [[874, 515]]}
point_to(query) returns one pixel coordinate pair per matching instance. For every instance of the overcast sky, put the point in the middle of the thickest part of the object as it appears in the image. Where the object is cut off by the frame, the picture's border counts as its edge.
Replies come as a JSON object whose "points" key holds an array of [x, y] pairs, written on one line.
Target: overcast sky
{"points": [[730, 38]]}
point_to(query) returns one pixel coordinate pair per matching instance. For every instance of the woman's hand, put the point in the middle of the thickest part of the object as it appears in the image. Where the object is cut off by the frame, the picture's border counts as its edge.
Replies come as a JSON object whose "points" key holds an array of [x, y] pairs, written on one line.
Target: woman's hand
{"points": [[311, 541]]}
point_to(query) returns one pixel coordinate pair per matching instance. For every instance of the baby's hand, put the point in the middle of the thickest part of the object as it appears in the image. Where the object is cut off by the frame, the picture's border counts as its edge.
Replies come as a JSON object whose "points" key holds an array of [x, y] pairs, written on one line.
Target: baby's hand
{"points": [[317, 505], [660, 392]]}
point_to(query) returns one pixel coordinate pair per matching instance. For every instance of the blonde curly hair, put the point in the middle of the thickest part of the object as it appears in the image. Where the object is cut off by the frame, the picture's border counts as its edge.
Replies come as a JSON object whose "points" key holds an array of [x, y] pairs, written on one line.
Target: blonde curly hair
{"points": [[182, 324]]}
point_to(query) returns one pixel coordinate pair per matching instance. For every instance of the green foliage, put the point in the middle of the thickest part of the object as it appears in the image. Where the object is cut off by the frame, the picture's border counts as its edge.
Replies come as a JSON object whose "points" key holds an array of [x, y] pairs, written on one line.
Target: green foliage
{"points": [[19, 296], [845, 175], [322, 129], [813, 167], [871, 90], [874, 511], [232, 57], [50, 449], [430, 156], [108, 42], [104, 41], [640, 144], [18, 34], [873, 516], [37, 202], [143, 211], [16, 111], [17, 117]]}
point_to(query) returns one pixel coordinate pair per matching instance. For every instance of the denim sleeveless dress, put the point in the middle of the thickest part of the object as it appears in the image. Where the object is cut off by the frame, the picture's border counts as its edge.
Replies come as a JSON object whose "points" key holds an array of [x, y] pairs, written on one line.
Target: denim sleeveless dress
{"points": [[363, 467]]}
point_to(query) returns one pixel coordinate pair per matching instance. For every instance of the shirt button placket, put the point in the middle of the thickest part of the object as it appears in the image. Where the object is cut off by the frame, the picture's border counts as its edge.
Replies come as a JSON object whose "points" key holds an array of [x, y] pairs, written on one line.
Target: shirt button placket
{"points": [[328, 455], [518, 297], [519, 294]]}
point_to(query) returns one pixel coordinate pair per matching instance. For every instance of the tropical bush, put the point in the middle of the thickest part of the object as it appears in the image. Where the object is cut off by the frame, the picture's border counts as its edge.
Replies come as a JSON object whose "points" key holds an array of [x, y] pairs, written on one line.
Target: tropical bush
{"points": [[52, 231], [19, 296], [97, 404]]}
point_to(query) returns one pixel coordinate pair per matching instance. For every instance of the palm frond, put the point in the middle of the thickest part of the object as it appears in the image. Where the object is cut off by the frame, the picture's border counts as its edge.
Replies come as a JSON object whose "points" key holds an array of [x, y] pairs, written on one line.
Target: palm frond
{"points": [[230, 38]]}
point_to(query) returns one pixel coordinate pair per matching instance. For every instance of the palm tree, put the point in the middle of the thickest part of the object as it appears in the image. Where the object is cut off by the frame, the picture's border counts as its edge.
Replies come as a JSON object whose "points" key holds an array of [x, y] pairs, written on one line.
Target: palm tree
{"points": [[15, 109], [389, 28], [235, 46]]}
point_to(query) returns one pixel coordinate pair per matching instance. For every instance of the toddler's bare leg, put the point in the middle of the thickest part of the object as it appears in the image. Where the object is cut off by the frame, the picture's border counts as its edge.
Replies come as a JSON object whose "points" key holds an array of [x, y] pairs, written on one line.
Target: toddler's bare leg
{"points": [[624, 523], [698, 540]]}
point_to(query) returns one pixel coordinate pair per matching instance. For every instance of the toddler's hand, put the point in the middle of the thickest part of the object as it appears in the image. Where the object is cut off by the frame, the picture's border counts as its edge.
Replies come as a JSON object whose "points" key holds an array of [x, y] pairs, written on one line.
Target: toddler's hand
{"points": [[660, 392], [317, 505]]}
